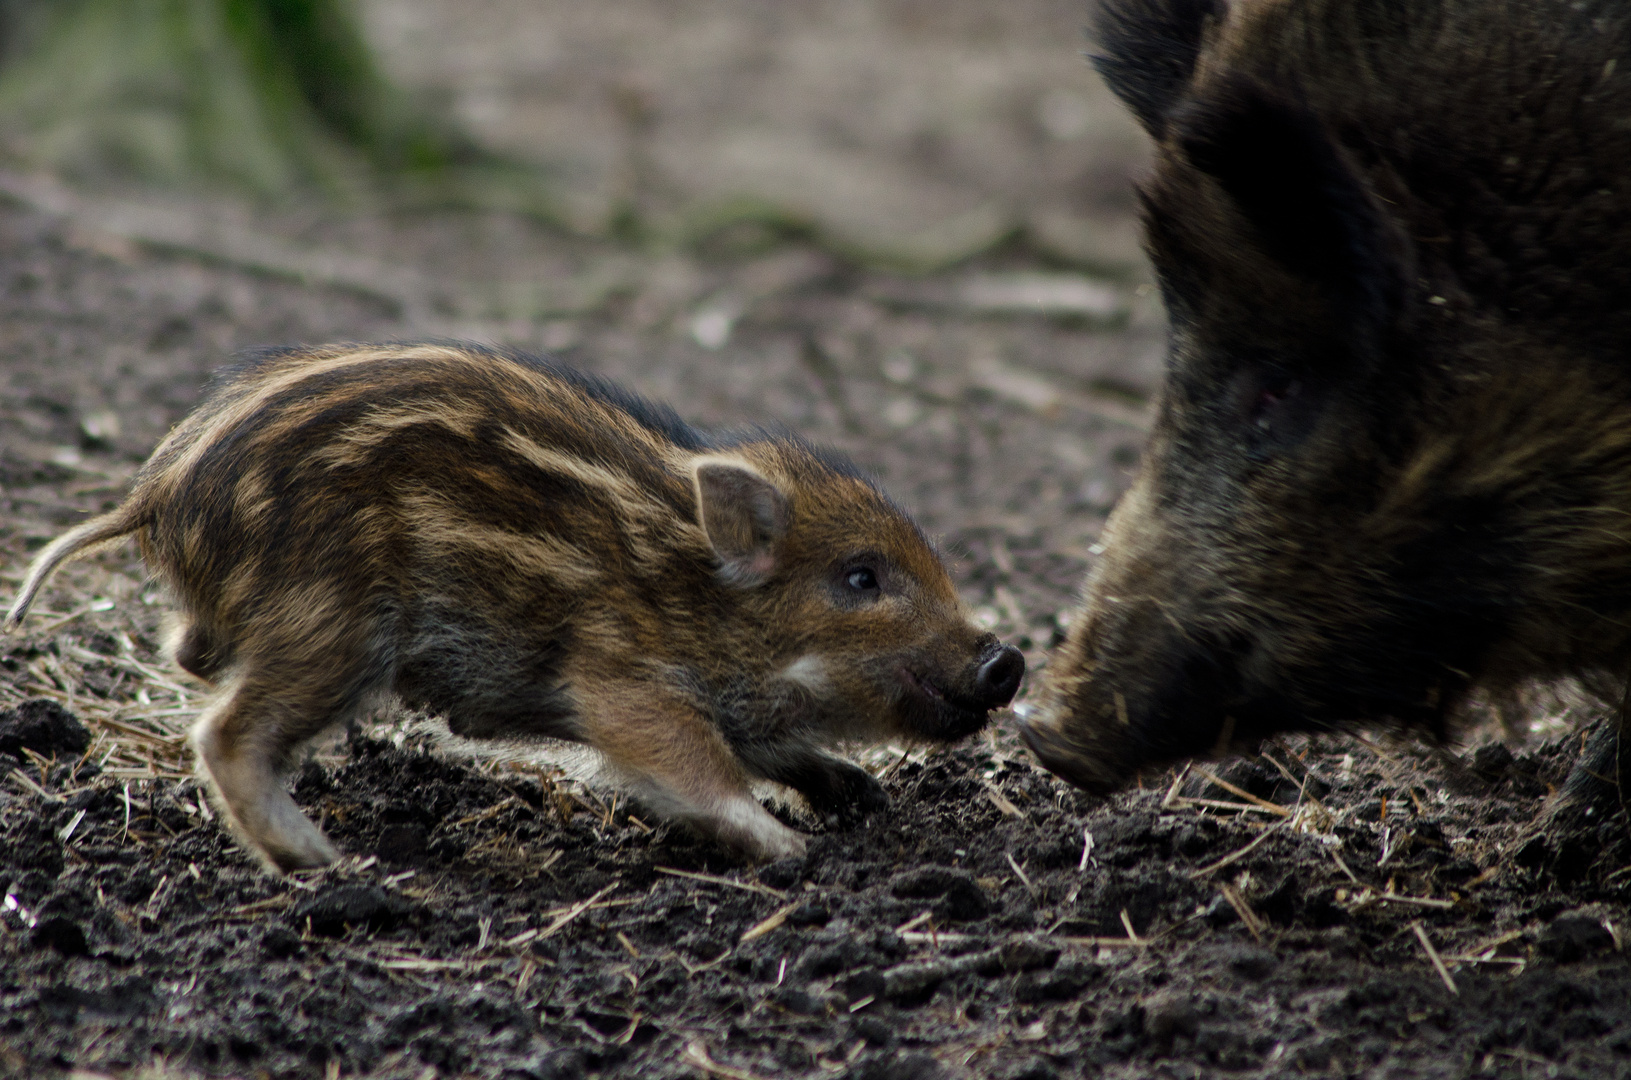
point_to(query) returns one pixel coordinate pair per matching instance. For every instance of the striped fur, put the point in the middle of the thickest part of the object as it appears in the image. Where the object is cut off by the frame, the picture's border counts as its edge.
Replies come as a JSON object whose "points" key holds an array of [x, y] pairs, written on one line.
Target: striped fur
{"points": [[533, 553]]}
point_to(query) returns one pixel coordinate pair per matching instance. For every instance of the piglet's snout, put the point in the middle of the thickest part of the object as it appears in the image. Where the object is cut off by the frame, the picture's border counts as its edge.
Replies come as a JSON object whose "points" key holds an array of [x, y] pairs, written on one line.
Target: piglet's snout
{"points": [[997, 679]]}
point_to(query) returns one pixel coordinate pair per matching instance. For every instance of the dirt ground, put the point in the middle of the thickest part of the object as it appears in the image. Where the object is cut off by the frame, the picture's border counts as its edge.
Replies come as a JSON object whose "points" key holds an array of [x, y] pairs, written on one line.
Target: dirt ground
{"points": [[1333, 907]]}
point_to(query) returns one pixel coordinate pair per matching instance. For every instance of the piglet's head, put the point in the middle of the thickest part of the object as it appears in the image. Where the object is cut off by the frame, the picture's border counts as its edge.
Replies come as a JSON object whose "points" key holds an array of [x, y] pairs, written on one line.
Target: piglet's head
{"points": [[850, 606]]}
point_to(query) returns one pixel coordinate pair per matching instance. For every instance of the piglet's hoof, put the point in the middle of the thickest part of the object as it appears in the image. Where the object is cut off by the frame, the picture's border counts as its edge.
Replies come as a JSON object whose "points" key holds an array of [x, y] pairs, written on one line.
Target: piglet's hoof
{"points": [[852, 796]]}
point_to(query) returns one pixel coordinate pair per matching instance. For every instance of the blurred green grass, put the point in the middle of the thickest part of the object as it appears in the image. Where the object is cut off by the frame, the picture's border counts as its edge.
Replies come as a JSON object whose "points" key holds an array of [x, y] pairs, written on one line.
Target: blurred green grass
{"points": [[887, 138], [277, 99]]}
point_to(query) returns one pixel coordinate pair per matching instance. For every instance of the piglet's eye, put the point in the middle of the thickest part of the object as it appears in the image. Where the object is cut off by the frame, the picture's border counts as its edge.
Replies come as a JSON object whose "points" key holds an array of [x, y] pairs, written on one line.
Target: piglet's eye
{"points": [[862, 579]]}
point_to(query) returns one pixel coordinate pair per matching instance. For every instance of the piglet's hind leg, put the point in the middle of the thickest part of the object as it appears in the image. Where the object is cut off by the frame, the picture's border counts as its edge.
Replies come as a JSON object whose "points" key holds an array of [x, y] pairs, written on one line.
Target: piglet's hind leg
{"points": [[676, 761], [243, 740]]}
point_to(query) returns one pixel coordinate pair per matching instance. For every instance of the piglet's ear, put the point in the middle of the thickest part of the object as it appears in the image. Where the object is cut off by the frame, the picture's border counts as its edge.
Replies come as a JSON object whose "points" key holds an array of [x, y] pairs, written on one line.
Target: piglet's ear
{"points": [[745, 517]]}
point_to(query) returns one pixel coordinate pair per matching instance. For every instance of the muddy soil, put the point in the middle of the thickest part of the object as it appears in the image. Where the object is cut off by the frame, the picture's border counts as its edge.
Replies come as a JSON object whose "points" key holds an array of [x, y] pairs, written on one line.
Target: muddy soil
{"points": [[1333, 907]]}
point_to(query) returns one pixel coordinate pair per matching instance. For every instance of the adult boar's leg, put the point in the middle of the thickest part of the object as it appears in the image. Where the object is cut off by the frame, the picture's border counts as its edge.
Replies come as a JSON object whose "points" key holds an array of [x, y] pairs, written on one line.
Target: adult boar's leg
{"points": [[1568, 837]]}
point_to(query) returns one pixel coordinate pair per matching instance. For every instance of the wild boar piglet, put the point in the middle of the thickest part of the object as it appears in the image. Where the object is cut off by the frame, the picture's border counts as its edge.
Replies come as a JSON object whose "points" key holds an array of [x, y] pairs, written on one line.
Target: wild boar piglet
{"points": [[533, 554]]}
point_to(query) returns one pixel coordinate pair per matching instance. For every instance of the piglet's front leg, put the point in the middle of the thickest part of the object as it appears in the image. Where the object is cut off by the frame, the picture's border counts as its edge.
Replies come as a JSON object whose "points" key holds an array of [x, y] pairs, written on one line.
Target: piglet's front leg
{"points": [[840, 793], [675, 760]]}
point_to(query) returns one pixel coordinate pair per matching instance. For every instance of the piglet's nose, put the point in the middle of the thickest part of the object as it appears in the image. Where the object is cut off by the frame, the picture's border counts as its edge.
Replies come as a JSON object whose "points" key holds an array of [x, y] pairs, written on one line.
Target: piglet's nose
{"points": [[998, 678]]}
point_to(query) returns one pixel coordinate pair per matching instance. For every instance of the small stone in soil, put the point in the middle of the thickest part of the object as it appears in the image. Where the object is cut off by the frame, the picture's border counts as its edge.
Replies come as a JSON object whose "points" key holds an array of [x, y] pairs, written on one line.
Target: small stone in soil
{"points": [[62, 934], [896, 1066], [332, 911], [961, 897], [1574, 935], [402, 843], [809, 913]]}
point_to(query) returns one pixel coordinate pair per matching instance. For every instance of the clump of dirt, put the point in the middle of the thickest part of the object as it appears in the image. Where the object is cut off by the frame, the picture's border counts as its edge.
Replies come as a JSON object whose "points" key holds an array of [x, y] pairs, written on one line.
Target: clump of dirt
{"points": [[42, 727]]}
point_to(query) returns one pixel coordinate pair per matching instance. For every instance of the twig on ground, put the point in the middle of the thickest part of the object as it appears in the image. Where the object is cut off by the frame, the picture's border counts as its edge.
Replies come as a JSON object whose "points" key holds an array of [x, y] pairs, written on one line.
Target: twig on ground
{"points": [[1497, 941], [256, 908], [914, 922], [67, 831], [1516, 961], [409, 963], [715, 879], [592, 803], [1233, 857], [1373, 746], [769, 923], [1020, 873], [1273, 808], [1172, 792], [62, 620], [692, 969], [574, 911], [1302, 785], [696, 1055], [1103, 942], [1001, 802], [1366, 898], [125, 728], [1224, 804], [147, 772], [492, 811], [21, 778], [1250, 918], [1432, 954]]}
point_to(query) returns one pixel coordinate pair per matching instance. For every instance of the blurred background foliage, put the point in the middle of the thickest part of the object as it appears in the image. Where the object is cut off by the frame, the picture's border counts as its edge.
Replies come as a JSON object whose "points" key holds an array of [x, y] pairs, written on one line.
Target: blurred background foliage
{"points": [[905, 134], [279, 99]]}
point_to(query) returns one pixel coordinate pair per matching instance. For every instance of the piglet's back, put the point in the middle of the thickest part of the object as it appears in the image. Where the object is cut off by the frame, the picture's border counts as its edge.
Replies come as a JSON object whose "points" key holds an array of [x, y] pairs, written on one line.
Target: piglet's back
{"points": [[333, 473]]}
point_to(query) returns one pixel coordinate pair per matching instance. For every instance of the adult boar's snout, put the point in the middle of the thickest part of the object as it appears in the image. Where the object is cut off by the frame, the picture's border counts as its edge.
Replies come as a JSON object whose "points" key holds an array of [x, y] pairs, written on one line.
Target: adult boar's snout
{"points": [[1071, 763], [1133, 686]]}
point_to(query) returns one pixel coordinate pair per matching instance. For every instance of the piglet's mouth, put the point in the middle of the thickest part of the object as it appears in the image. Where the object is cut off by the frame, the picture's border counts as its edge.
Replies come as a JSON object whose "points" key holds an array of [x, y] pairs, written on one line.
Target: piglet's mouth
{"points": [[935, 713]]}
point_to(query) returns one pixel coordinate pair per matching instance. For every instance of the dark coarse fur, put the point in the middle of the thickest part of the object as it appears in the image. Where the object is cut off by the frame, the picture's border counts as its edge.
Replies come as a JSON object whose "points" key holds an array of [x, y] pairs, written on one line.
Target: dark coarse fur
{"points": [[1392, 461], [534, 553], [1149, 51]]}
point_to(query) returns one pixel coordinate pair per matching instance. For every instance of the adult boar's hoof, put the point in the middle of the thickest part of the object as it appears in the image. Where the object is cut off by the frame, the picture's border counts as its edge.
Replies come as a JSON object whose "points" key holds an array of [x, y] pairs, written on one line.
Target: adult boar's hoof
{"points": [[1586, 823]]}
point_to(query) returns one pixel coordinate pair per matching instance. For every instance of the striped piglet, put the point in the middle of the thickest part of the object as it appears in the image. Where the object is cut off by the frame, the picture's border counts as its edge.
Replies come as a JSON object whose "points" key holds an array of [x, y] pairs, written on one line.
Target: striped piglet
{"points": [[533, 553]]}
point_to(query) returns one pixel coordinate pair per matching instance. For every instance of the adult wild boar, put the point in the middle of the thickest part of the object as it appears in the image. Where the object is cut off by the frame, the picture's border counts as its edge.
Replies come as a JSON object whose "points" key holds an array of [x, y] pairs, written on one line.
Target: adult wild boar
{"points": [[1392, 459]]}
